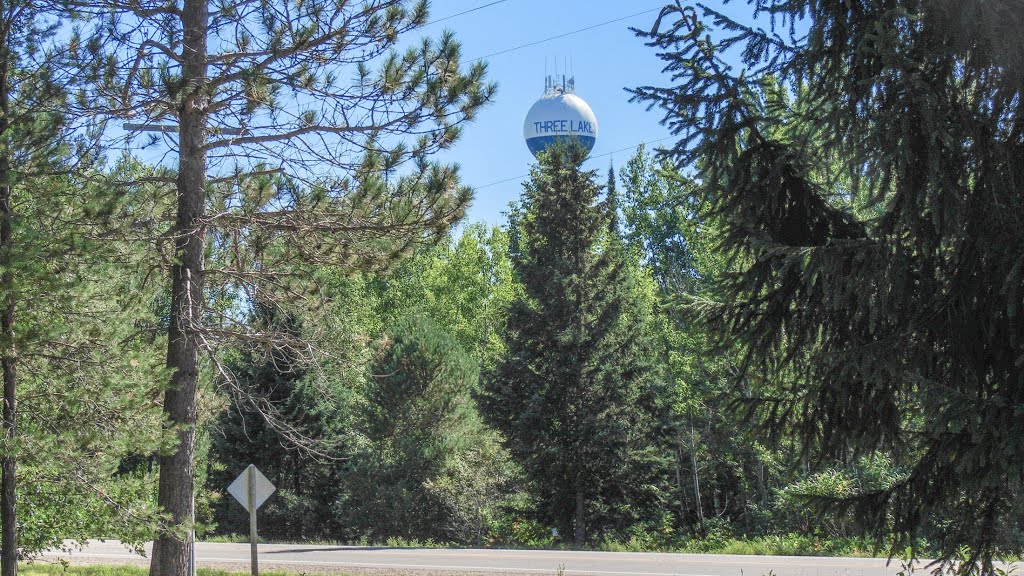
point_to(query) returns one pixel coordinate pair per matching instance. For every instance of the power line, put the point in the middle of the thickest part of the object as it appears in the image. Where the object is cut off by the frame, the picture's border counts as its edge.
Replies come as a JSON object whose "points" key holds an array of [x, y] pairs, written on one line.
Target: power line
{"points": [[521, 46], [592, 157], [563, 35], [464, 12], [442, 19]]}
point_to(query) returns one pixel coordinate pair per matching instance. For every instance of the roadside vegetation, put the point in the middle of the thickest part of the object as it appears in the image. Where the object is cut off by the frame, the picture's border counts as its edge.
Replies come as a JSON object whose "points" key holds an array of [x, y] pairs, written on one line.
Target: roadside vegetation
{"points": [[57, 569], [776, 545], [797, 330]]}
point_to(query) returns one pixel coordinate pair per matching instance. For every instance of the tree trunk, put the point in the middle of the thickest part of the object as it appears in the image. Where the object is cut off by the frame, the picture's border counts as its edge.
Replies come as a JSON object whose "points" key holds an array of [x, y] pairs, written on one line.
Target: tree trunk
{"points": [[680, 486], [8, 484], [8, 361], [698, 505], [679, 481], [762, 485], [172, 550], [581, 516]]}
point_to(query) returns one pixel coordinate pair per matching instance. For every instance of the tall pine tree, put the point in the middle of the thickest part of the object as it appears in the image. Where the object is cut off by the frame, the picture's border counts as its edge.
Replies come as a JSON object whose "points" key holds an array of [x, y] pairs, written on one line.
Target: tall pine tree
{"points": [[578, 394], [302, 135]]}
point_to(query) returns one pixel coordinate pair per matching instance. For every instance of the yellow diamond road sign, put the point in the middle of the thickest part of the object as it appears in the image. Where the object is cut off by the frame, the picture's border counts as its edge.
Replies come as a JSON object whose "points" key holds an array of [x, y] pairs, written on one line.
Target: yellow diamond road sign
{"points": [[262, 488]]}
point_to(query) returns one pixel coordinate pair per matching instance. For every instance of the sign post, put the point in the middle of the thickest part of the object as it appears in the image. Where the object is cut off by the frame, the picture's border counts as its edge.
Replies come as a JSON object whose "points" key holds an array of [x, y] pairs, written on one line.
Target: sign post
{"points": [[252, 489], [252, 520]]}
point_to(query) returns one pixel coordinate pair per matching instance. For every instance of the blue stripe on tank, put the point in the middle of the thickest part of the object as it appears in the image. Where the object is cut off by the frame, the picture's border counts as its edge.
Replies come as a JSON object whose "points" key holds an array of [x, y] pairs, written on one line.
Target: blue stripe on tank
{"points": [[539, 143]]}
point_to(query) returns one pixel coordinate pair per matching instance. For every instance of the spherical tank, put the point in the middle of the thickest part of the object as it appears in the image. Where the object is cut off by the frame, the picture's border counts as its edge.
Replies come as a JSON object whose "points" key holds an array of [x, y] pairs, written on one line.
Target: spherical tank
{"points": [[559, 115]]}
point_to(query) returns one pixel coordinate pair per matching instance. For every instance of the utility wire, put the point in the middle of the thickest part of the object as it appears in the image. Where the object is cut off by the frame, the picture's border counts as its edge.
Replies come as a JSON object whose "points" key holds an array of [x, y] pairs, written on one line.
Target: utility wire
{"points": [[563, 35], [591, 157], [464, 12], [442, 19]]}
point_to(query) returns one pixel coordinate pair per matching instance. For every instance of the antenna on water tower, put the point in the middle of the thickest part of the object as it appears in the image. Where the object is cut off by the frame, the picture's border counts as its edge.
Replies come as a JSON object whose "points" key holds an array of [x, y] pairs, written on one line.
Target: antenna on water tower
{"points": [[559, 114]]}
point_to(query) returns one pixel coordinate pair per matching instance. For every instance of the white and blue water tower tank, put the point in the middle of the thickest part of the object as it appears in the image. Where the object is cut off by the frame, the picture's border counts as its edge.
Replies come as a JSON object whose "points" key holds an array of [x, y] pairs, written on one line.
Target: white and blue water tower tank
{"points": [[559, 115]]}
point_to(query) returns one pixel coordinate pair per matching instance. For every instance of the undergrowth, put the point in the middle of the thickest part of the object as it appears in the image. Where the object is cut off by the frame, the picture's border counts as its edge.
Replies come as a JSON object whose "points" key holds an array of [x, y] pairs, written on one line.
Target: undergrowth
{"points": [[774, 545]]}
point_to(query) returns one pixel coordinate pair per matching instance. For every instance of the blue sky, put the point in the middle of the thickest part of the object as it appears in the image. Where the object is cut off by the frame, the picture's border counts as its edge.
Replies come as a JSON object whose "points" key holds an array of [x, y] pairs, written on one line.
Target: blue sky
{"points": [[605, 60]]}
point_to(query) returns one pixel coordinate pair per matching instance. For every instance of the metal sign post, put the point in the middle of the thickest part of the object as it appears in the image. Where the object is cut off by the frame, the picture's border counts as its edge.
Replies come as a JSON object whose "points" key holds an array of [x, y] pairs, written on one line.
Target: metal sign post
{"points": [[252, 520], [192, 542], [252, 489]]}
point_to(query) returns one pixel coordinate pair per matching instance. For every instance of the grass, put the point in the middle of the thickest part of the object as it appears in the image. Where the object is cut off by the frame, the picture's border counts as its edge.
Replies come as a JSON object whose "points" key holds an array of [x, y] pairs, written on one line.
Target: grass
{"points": [[775, 545], [389, 543], [788, 545], [782, 545], [47, 569]]}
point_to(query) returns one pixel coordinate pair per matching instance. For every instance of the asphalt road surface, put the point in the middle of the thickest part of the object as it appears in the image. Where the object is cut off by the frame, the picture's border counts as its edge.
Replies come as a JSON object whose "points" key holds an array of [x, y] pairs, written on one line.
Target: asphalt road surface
{"points": [[312, 558]]}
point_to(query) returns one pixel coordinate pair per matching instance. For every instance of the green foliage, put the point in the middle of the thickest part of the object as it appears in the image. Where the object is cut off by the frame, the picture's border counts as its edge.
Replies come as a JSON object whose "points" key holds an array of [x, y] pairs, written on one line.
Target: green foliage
{"points": [[517, 526], [77, 376], [660, 224], [88, 376], [875, 298], [285, 163], [720, 470], [334, 492], [833, 246], [299, 404], [578, 394], [432, 470], [463, 284], [800, 502]]}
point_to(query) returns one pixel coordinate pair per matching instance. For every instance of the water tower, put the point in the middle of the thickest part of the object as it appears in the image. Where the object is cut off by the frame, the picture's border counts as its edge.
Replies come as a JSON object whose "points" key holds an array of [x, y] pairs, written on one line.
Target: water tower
{"points": [[559, 115]]}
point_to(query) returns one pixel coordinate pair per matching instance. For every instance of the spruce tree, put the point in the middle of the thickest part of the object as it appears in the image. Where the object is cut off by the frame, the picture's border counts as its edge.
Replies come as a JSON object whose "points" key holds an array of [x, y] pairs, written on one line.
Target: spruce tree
{"points": [[875, 226], [433, 469], [578, 394], [319, 402]]}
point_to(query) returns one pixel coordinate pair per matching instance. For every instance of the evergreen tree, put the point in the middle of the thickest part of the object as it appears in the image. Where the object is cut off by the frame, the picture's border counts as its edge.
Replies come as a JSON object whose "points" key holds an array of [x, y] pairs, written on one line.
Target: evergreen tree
{"points": [[321, 402], [26, 135], [875, 225], [433, 469], [578, 394], [66, 403], [302, 135], [89, 368]]}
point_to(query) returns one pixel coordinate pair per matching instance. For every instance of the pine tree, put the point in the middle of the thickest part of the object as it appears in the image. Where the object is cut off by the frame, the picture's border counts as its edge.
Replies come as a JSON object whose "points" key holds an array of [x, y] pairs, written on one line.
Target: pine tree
{"points": [[302, 135], [89, 367], [27, 134], [65, 407], [875, 223], [577, 394]]}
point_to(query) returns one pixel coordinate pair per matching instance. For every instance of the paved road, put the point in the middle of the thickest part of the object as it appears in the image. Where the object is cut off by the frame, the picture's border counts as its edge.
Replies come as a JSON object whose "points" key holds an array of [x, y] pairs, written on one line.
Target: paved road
{"points": [[310, 558]]}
